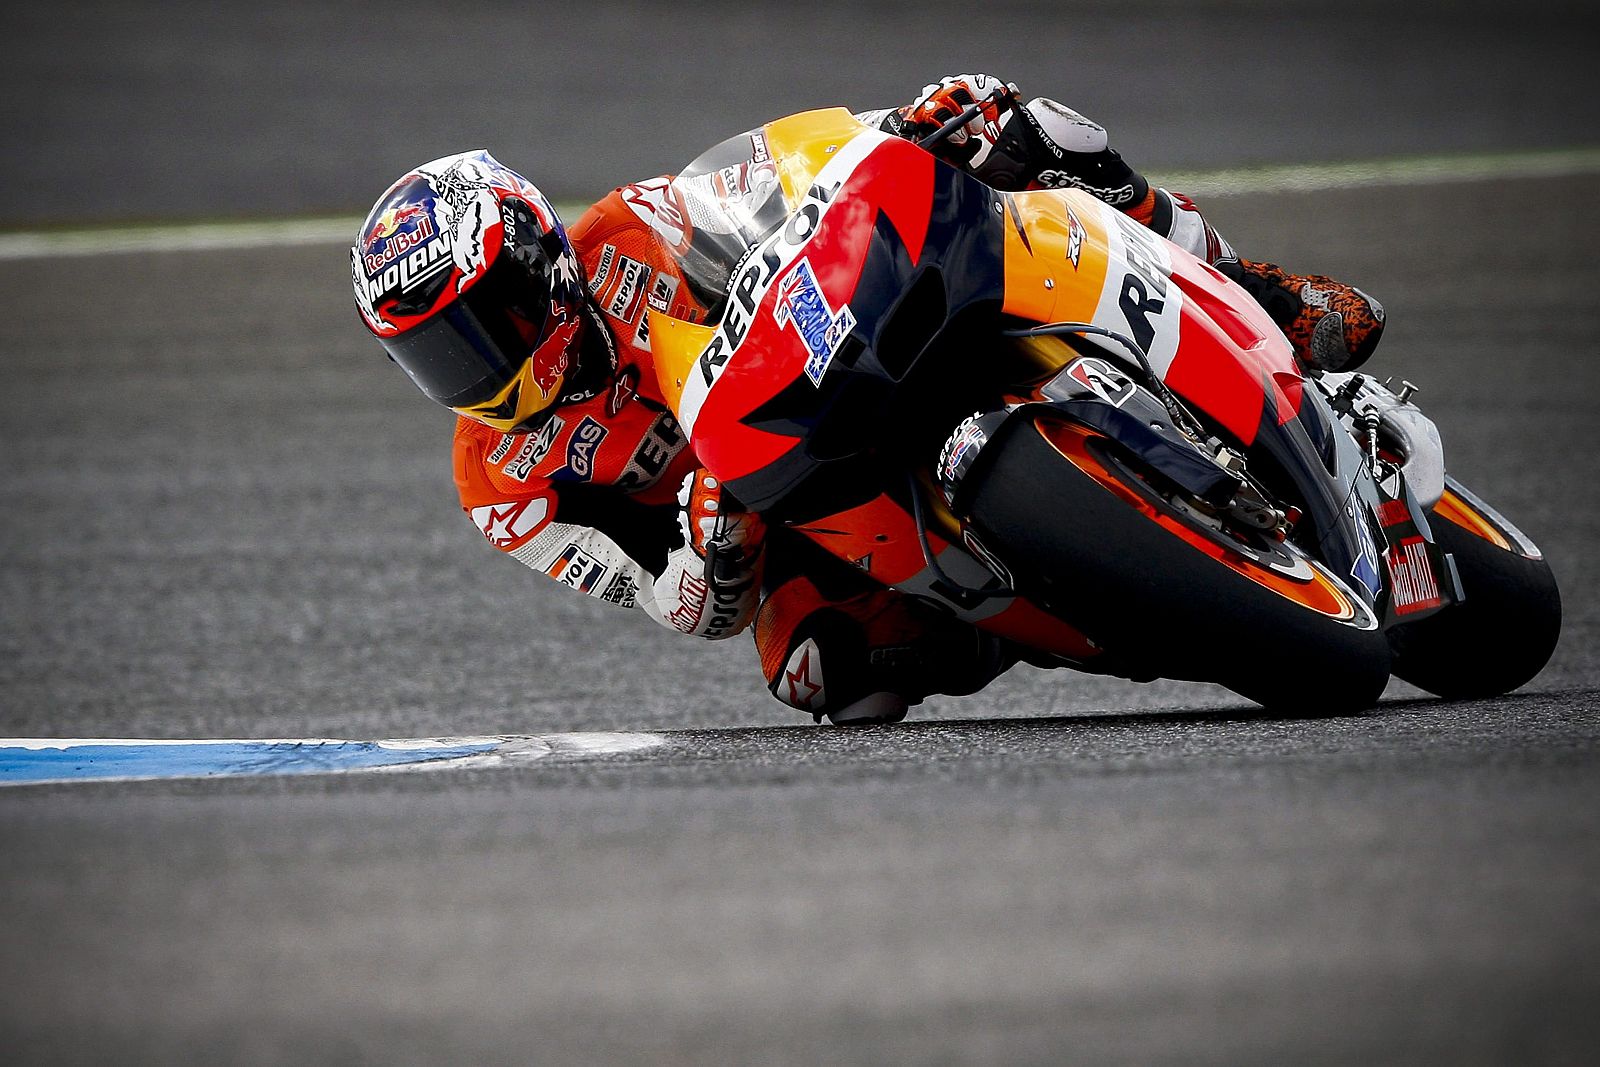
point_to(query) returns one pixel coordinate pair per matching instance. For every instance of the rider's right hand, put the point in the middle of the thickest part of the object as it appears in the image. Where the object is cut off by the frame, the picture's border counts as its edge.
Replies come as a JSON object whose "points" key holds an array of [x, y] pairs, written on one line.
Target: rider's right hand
{"points": [[944, 100]]}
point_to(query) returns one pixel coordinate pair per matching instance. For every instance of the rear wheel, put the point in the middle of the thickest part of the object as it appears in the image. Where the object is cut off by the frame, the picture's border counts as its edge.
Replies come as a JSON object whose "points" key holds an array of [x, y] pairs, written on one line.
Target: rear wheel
{"points": [[1160, 584], [1504, 630]]}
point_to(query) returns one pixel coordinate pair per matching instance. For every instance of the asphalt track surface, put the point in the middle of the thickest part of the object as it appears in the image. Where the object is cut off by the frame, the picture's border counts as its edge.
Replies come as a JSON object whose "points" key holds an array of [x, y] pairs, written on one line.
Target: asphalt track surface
{"points": [[225, 516]]}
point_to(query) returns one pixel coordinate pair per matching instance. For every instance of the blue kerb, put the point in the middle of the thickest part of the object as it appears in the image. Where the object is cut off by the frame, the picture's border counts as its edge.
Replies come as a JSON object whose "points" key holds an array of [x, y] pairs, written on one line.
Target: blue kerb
{"points": [[91, 761]]}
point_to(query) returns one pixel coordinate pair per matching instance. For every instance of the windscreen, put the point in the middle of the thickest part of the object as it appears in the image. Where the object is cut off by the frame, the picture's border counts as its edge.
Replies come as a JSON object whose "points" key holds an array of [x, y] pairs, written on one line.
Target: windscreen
{"points": [[731, 199]]}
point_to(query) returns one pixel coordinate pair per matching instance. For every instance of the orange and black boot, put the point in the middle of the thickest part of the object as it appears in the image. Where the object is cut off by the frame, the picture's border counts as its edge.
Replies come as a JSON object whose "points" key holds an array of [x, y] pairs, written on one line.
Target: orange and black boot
{"points": [[1332, 326]]}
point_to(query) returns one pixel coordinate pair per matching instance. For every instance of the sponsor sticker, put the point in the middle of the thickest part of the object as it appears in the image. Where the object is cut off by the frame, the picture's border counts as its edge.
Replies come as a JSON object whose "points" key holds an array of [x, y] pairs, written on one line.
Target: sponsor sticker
{"points": [[1116, 196], [801, 301], [754, 275], [662, 291], [1144, 287], [655, 202], [1393, 513], [622, 590], [1365, 567], [1102, 379], [504, 447], [622, 390], [602, 270], [1411, 580], [968, 438], [1075, 235], [581, 448], [803, 677], [692, 594], [576, 568], [535, 447], [398, 231], [404, 274], [628, 296], [658, 449]]}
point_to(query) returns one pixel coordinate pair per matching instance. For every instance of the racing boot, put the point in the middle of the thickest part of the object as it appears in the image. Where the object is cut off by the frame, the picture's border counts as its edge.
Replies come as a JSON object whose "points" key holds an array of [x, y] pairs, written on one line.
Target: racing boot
{"points": [[1332, 326], [866, 657]]}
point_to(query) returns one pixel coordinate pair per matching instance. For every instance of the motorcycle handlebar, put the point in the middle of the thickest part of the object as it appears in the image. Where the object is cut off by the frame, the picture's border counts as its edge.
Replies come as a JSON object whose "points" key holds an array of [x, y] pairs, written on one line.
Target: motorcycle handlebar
{"points": [[960, 120]]}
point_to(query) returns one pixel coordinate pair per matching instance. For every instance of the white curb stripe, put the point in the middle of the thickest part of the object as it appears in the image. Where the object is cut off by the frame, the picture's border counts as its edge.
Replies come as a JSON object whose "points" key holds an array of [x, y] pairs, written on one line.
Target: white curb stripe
{"points": [[1249, 181]]}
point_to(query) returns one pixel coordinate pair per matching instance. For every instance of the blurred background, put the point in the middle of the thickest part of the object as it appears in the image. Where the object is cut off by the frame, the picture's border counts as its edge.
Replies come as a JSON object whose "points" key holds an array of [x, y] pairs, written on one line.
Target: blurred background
{"points": [[119, 111]]}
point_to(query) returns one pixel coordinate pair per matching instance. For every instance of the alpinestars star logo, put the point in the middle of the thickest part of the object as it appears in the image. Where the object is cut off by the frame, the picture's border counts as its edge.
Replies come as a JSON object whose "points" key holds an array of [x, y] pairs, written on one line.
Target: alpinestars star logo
{"points": [[803, 675], [508, 523]]}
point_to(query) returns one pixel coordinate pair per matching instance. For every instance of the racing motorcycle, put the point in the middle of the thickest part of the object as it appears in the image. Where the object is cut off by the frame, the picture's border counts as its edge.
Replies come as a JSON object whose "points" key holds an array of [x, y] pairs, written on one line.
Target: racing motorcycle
{"points": [[1032, 411]]}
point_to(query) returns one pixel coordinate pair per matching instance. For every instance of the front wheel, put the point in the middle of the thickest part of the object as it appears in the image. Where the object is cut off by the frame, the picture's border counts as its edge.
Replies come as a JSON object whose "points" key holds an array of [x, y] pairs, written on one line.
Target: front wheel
{"points": [[1157, 582], [1506, 626]]}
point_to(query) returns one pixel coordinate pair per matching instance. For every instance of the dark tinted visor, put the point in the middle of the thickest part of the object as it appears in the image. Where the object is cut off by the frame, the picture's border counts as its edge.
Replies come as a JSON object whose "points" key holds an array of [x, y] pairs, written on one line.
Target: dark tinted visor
{"points": [[469, 350]]}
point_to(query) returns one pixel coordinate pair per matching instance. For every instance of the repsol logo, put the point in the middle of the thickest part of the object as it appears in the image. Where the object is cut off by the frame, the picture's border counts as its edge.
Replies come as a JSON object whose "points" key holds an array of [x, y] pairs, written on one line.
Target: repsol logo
{"points": [[660, 446], [1144, 287], [754, 274], [725, 610]]}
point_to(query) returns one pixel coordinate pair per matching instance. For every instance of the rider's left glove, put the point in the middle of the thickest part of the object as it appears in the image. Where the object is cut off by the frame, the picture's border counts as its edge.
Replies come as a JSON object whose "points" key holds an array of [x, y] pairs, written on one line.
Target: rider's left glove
{"points": [[712, 582]]}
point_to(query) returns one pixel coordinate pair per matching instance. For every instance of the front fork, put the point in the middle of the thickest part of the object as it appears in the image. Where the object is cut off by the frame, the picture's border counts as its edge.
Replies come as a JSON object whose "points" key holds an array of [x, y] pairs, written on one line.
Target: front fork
{"points": [[1362, 517]]}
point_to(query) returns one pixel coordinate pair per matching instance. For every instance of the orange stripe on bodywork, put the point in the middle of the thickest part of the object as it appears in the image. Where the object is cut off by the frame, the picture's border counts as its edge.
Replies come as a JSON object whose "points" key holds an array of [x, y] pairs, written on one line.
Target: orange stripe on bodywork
{"points": [[1453, 509], [1055, 270]]}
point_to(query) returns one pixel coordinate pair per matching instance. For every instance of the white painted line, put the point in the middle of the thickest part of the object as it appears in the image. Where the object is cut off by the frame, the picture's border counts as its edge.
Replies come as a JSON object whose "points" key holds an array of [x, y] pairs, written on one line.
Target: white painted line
{"points": [[189, 237], [49, 760], [1247, 181], [1426, 170]]}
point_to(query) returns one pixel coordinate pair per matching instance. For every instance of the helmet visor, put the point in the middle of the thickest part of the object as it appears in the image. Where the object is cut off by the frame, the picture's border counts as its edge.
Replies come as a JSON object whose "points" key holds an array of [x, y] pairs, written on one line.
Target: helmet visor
{"points": [[468, 351]]}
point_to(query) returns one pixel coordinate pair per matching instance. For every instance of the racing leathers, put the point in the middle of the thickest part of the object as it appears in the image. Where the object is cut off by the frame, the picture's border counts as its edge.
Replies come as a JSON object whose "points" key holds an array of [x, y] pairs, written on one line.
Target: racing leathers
{"points": [[606, 496]]}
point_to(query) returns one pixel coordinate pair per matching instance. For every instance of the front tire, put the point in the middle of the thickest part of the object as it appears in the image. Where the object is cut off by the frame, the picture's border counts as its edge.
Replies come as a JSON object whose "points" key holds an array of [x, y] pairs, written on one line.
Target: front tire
{"points": [[1504, 631], [1145, 577]]}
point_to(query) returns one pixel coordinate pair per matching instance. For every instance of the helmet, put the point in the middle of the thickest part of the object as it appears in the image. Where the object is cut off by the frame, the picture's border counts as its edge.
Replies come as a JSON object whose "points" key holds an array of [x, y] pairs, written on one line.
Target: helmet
{"points": [[465, 275]]}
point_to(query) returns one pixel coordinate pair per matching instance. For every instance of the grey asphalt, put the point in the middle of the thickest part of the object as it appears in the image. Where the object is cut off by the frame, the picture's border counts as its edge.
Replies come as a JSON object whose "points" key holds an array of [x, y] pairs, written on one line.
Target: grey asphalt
{"points": [[222, 513]]}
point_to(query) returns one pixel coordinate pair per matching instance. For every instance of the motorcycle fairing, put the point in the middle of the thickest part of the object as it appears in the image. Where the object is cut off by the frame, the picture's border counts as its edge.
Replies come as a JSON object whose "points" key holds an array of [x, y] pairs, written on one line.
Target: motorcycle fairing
{"points": [[908, 245], [916, 245], [1072, 258]]}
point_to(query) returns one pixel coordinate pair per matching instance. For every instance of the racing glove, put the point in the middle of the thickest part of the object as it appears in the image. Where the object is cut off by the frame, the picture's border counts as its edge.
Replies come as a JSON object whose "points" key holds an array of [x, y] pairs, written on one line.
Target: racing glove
{"points": [[968, 145], [1014, 146], [712, 581]]}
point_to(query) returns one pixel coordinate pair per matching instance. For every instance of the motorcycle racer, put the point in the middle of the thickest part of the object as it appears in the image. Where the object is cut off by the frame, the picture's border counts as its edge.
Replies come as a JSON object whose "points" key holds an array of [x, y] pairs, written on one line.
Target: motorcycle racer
{"points": [[567, 458]]}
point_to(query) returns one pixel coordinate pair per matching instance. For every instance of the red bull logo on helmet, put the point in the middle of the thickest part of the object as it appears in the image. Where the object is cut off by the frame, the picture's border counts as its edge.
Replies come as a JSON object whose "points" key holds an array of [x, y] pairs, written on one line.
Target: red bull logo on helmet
{"points": [[399, 230]]}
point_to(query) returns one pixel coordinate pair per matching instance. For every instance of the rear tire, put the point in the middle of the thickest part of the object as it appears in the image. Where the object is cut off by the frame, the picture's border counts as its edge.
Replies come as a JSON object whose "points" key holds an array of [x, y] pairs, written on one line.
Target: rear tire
{"points": [[1096, 556], [1498, 638]]}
